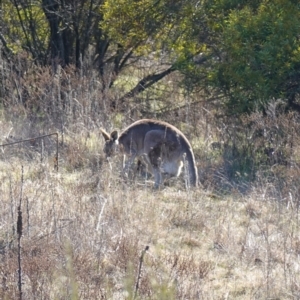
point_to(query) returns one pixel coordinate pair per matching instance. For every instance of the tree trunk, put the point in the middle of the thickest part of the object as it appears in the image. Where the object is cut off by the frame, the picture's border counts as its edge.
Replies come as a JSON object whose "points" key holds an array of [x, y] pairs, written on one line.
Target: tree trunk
{"points": [[51, 10]]}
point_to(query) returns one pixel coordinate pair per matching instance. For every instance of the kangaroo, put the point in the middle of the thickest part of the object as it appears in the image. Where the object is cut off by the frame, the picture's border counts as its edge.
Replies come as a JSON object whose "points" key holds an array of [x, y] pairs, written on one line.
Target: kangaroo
{"points": [[163, 145]]}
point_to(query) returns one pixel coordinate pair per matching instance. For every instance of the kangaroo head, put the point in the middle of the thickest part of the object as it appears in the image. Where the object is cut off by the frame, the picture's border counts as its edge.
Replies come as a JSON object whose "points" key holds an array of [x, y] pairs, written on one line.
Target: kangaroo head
{"points": [[111, 142]]}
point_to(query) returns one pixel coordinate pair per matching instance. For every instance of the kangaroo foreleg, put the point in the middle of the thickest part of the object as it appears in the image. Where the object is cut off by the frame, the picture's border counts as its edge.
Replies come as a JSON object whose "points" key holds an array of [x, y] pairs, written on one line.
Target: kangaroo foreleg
{"points": [[128, 163]]}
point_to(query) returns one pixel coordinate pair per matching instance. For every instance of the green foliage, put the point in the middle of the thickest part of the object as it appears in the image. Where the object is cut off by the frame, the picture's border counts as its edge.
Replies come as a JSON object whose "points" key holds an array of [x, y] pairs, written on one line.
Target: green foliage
{"points": [[126, 22], [260, 53], [159, 27], [247, 51], [24, 27]]}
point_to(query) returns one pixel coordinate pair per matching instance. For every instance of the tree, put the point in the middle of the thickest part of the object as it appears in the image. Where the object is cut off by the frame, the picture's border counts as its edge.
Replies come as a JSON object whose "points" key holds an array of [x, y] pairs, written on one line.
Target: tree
{"points": [[150, 29], [110, 35], [257, 57]]}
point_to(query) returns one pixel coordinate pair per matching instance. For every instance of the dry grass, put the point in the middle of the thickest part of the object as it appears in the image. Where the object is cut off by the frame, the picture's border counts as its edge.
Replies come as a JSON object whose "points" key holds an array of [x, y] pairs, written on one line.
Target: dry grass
{"points": [[84, 229]]}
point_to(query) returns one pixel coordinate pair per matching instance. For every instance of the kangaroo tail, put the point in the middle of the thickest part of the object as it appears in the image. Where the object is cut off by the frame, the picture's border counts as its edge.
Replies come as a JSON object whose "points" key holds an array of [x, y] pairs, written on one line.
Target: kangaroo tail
{"points": [[192, 169]]}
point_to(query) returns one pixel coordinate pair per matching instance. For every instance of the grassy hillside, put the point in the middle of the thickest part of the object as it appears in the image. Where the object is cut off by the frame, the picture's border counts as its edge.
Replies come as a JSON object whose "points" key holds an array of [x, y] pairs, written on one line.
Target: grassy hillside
{"points": [[85, 229], [89, 234]]}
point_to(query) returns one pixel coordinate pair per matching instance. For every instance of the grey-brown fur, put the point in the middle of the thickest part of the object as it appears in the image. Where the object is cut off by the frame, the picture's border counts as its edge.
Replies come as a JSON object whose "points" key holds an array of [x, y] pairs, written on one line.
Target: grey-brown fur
{"points": [[163, 145]]}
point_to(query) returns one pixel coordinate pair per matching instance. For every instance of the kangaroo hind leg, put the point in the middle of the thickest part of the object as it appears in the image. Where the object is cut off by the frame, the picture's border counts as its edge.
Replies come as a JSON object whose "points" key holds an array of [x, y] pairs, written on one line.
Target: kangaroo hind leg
{"points": [[154, 157]]}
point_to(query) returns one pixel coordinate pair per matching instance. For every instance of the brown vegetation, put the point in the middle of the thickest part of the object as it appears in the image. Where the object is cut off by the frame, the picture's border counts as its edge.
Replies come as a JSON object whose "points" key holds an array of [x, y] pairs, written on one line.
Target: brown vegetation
{"points": [[85, 230]]}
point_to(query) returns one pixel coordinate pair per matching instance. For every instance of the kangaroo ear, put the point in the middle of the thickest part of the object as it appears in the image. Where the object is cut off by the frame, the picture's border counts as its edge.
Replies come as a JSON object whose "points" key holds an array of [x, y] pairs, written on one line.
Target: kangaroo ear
{"points": [[105, 134], [114, 135]]}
